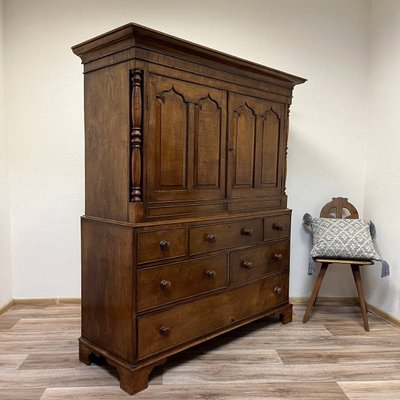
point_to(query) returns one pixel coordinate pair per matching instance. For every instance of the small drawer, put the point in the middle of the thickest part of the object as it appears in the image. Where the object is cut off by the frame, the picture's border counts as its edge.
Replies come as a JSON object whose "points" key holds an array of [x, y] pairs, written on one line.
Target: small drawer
{"points": [[165, 329], [206, 238], [162, 285], [277, 227], [256, 262], [161, 245]]}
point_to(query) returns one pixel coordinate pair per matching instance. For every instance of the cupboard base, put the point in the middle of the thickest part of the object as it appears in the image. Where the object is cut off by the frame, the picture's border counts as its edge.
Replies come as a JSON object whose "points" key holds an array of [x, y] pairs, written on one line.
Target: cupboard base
{"points": [[132, 379], [286, 315]]}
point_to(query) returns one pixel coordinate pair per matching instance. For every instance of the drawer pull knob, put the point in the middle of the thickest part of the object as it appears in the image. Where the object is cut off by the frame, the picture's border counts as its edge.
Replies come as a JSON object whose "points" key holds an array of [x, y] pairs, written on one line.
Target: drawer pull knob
{"points": [[166, 285], [164, 245], [210, 274], [277, 227], [211, 238], [278, 256], [278, 290], [247, 265], [247, 232], [164, 330]]}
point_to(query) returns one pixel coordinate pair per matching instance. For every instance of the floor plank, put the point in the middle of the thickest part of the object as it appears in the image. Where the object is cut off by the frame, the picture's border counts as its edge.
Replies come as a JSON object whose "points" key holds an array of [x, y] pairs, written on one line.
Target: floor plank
{"points": [[355, 354], [192, 373], [21, 394], [44, 361], [7, 323], [11, 360], [82, 376], [375, 390], [277, 391]]}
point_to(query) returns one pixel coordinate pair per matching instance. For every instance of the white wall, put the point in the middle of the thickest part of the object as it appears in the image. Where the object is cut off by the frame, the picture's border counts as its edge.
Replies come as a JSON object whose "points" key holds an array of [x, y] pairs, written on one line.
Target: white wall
{"points": [[324, 41], [5, 259], [382, 188]]}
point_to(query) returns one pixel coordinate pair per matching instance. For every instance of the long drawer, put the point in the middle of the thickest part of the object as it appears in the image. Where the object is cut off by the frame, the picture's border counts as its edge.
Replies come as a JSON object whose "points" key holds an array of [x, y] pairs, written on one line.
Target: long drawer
{"points": [[162, 330], [213, 237], [254, 262], [161, 285]]}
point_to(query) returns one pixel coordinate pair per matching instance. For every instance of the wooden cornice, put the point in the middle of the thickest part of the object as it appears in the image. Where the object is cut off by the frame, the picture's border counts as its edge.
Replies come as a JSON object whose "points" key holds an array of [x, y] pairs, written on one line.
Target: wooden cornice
{"points": [[134, 35]]}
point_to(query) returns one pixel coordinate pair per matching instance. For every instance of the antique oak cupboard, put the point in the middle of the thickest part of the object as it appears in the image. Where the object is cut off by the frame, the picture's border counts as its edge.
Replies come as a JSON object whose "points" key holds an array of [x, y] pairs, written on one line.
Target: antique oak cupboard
{"points": [[186, 231]]}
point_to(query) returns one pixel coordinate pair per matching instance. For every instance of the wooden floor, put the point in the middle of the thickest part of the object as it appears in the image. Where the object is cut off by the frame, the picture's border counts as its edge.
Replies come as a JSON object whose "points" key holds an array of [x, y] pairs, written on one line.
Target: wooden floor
{"points": [[330, 357]]}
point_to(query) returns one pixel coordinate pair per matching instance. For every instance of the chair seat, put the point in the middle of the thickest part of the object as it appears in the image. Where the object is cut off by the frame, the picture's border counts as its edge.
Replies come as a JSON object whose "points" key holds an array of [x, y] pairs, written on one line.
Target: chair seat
{"points": [[343, 261]]}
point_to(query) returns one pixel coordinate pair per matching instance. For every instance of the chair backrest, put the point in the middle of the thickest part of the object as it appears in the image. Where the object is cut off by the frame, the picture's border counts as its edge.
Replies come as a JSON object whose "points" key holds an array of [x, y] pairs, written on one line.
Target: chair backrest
{"points": [[339, 207]]}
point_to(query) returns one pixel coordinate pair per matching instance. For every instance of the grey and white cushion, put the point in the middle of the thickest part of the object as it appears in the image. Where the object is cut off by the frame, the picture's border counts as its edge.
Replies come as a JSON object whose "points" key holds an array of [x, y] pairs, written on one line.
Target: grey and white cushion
{"points": [[343, 239]]}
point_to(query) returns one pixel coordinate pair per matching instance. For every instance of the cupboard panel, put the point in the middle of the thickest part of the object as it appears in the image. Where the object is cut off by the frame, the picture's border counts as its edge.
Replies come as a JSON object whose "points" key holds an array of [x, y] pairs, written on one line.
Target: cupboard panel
{"points": [[257, 141], [207, 143], [186, 141], [171, 139], [270, 149], [243, 152]]}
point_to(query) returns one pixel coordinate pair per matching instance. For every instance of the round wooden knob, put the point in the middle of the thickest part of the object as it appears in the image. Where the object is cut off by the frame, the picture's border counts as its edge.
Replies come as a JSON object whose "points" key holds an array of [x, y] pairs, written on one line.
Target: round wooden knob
{"points": [[211, 238], [166, 285], [247, 265], [164, 330], [210, 274], [278, 256], [247, 232], [164, 245], [278, 290], [277, 227]]}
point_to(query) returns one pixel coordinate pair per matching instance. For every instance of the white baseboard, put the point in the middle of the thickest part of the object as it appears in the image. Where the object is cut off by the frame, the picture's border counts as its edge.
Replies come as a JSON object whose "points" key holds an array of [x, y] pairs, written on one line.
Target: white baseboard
{"points": [[6, 307], [326, 301], [384, 315], [47, 300]]}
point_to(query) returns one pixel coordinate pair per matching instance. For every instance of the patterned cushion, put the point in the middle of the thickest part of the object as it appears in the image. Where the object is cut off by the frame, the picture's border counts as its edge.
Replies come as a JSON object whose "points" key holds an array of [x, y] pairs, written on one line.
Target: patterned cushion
{"points": [[342, 238]]}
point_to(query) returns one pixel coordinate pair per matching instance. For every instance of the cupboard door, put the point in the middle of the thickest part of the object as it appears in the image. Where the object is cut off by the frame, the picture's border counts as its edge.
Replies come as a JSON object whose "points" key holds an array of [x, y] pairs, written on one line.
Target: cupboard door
{"points": [[256, 149], [185, 141]]}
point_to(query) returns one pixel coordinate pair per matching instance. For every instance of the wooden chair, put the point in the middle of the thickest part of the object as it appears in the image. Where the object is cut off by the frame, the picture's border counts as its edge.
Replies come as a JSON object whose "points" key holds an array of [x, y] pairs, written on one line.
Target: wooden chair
{"points": [[339, 207]]}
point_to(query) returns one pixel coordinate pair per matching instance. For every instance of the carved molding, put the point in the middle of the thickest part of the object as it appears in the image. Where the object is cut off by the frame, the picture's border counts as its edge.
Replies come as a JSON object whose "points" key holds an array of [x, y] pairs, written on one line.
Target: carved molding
{"points": [[271, 112], [171, 91], [245, 109], [136, 191], [208, 99]]}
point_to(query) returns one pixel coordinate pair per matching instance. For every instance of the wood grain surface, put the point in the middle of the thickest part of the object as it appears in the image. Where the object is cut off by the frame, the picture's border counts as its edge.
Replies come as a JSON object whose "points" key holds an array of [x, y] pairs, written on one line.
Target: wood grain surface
{"points": [[331, 357]]}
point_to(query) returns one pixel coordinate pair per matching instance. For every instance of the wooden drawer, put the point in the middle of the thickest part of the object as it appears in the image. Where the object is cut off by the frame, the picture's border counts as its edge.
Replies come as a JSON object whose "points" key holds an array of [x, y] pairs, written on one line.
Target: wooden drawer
{"points": [[162, 285], [166, 329], [277, 227], [255, 262], [206, 238], [161, 245]]}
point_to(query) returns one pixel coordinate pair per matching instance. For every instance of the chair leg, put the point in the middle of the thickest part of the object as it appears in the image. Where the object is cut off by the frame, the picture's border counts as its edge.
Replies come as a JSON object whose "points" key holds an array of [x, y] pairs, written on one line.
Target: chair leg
{"points": [[315, 291], [363, 305]]}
